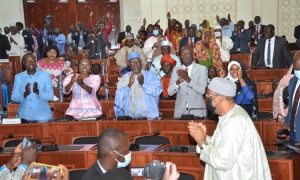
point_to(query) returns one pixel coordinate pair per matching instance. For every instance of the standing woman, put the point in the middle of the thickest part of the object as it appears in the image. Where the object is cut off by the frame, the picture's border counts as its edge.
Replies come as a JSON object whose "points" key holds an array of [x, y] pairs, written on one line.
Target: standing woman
{"points": [[177, 35], [246, 90], [54, 66], [84, 87]]}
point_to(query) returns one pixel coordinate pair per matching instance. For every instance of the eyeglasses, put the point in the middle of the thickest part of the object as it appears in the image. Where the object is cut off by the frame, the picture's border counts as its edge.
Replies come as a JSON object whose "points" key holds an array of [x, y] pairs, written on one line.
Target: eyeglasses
{"points": [[209, 96], [135, 62]]}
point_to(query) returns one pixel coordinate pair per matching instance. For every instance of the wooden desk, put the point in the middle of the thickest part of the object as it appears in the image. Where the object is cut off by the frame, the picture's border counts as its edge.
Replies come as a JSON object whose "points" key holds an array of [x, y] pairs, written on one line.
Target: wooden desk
{"points": [[265, 105], [267, 74], [264, 87], [269, 134]]}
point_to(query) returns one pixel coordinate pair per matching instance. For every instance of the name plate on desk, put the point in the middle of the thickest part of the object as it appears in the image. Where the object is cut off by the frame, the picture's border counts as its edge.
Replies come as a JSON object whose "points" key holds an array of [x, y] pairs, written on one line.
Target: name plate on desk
{"points": [[11, 121], [4, 60]]}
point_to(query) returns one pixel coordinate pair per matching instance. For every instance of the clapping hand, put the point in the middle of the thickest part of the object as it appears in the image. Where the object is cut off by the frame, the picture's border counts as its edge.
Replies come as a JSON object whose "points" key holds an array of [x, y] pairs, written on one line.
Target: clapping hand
{"points": [[132, 79], [35, 88], [140, 79], [183, 74], [27, 90], [74, 78], [198, 132]]}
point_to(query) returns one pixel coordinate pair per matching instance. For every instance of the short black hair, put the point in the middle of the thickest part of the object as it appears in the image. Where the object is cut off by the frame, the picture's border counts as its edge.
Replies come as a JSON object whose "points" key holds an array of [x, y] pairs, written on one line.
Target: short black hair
{"points": [[48, 48], [20, 24], [109, 140], [6, 27], [144, 32], [211, 66], [28, 54], [117, 174], [271, 26]]}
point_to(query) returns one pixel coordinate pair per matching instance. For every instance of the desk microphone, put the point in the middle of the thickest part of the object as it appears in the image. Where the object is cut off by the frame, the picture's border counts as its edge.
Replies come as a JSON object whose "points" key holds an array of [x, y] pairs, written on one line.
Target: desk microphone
{"points": [[191, 116], [178, 148], [136, 146], [10, 135], [156, 70], [149, 61], [60, 119], [49, 147], [122, 117]]}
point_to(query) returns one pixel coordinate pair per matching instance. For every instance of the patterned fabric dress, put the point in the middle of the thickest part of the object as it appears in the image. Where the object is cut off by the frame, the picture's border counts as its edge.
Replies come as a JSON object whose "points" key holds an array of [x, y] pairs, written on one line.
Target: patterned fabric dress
{"points": [[84, 104], [55, 70], [176, 37]]}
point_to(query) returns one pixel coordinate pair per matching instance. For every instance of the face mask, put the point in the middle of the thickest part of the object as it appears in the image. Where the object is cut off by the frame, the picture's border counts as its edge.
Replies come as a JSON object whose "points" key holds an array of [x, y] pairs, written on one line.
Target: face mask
{"points": [[297, 73], [200, 27], [155, 32], [126, 162], [217, 34], [257, 24], [225, 27], [68, 63], [209, 105]]}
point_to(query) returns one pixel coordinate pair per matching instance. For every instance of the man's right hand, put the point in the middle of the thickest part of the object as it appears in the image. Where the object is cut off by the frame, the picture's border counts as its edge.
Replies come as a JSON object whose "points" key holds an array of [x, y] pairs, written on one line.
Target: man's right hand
{"points": [[29, 154], [284, 126], [253, 66], [74, 78], [91, 13], [171, 172], [132, 79], [27, 90], [15, 158]]}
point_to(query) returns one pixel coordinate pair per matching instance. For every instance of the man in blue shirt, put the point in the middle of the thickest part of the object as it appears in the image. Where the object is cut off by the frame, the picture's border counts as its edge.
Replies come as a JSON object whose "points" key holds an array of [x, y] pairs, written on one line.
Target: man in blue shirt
{"points": [[138, 91], [60, 41], [33, 89]]}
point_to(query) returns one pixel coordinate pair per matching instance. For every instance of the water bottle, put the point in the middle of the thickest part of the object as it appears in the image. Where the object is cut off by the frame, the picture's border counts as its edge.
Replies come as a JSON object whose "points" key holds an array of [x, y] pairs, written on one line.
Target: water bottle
{"points": [[60, 86], [103, 68], [1, 113], [106, 92], [99, 54]]}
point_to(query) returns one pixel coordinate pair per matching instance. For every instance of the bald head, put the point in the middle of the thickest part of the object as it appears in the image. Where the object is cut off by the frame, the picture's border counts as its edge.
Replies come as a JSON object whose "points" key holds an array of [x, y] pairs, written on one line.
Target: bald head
{"points": [[187, 57], [296, 61]]}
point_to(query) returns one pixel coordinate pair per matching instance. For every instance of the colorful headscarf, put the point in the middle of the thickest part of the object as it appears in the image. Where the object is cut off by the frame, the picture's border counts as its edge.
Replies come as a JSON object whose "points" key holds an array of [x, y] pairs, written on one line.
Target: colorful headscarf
{"points": [[167, 58]]}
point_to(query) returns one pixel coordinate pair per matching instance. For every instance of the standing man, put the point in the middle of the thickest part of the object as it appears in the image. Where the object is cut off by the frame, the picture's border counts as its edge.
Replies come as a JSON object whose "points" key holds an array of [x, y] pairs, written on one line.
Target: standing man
{"points": [[156, 67], [224, 42], [227, 26], [96, 44], [60, 41], [189, 82], [103, 31], [6, 31], [16, 41], [33, 89], [69, 36], [235, 150], [151, 43], [122, 35], [190, 39], [138, 91], [4, 46], [240, 38], [27, 36], [80, 35], [271, 51], [257, 31]]}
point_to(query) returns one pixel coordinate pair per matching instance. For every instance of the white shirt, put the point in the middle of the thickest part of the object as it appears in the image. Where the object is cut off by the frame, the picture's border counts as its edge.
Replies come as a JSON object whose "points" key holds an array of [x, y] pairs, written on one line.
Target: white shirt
{"points": [[225, 48], [257, 30], [235, 150], [103, 170], [190, 40], [271, 51], [19, 47], [148, 46], [190, 67]]}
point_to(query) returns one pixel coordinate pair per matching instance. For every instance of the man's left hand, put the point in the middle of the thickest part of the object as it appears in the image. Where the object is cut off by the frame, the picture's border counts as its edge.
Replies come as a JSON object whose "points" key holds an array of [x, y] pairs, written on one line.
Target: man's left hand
{"points": [[184, 75], [140, 79], [198, 132], [35, 88]]}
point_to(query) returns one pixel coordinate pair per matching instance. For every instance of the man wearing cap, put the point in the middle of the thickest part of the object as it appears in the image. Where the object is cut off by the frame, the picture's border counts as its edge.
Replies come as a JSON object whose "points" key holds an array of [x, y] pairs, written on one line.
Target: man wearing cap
{"points": [[138, 91], [191, 39], [122, 54], [16, 40], [156, 64], [224, 42], [151, 43], [189, 82], [122, 35], [235, 150]]}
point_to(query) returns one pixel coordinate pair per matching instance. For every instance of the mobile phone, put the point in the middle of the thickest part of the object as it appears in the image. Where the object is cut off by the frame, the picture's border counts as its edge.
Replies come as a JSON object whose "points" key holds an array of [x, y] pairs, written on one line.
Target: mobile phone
{"points": [[26, 142], [137, 171], [44, 171], [283, 131]]}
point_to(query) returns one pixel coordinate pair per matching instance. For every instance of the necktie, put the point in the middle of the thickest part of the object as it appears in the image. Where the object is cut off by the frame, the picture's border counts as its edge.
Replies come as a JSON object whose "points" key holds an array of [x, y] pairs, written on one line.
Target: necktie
{"points": [[256, 36], [295, 105], [191, 42], [269, 53]]}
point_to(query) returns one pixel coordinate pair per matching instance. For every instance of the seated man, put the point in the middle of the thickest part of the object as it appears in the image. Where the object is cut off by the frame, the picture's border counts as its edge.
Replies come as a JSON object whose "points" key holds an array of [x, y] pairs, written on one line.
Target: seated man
{"points": [[33, 89], [121, 56], [138, 91], [271, 51], [156, 65], [167, 64], [113, 151]]}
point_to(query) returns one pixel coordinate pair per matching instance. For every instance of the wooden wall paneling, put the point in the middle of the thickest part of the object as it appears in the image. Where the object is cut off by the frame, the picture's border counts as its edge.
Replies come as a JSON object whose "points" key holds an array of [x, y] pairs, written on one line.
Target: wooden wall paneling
{"points": [[35, 13], [265, 105], [264, 87], [61, 13], [267, 74], [83, 13], [269, 134]]}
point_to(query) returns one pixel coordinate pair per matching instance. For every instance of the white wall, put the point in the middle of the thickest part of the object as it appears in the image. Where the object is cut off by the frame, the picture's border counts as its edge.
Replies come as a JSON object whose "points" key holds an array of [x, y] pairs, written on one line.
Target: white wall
{"points": [[11, 11]]}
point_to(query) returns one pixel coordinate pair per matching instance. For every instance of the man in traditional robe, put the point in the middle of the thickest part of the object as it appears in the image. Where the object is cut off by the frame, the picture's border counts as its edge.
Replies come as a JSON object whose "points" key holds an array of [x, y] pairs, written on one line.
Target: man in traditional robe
{"points": [[138, 91]]}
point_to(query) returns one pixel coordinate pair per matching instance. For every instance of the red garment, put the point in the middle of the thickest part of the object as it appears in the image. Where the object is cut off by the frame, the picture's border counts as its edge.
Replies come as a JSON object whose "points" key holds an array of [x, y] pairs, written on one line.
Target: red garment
{"points": [[167, 58], [107, 31], [165, 84]]}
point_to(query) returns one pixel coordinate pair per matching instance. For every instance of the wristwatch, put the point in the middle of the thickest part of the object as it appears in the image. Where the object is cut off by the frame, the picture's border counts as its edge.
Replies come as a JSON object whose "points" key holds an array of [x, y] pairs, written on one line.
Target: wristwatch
{"points": [[204, 145]]}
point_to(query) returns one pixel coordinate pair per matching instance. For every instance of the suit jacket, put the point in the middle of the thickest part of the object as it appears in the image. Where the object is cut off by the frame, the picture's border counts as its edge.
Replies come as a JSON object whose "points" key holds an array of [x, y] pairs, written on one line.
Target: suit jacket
{"points": [[121, 37], [281, 54], [186, 40], [291, 90], [4, 46], [191, 93], [297, 32], [76, 36], [28, 40], [244, 39], [261, 34], [94, 172], [98, 45]]}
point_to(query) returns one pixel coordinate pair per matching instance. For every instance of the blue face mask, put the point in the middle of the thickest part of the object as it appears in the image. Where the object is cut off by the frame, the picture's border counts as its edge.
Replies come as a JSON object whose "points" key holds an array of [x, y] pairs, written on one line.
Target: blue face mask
{"points": [[155, 32], [297, 73], [225, 27], [126, 162], [200, 28]]}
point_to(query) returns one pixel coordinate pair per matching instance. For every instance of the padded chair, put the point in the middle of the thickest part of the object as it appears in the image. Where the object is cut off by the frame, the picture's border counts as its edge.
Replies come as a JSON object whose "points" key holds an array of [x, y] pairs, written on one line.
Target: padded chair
{"points": [[77, 174], [186, 176], [152, 140], [85, 140], [16, 142], [265, 115]]}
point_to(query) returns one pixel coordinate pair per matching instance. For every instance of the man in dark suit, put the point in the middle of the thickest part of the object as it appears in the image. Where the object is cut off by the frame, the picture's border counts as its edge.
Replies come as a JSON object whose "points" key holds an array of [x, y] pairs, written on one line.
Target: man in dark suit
{"points": [[4, 46], [271, 51], [292, 120], [113, 151], [191, 39], [96, 44], [257, 31], [240, 38], [297, 32], [27, 36], [122, 35], [80, 35]]}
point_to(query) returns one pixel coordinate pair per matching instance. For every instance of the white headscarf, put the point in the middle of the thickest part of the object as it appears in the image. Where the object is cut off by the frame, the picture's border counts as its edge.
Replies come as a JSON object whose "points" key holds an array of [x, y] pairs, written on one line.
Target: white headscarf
{"points": [[229, 75]]}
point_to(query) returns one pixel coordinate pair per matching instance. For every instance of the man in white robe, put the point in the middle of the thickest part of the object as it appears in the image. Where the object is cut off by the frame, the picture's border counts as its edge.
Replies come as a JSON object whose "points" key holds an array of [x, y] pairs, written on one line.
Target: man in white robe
{"points": [[224, 42], [235, 151], [151, 43], [16, 40]]}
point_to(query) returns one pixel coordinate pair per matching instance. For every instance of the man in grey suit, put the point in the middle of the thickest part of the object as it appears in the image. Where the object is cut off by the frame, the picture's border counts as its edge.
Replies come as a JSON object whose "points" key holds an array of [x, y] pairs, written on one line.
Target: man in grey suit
{"points": [[271, 51], [113, 152], [189, 82], [96, 44]]}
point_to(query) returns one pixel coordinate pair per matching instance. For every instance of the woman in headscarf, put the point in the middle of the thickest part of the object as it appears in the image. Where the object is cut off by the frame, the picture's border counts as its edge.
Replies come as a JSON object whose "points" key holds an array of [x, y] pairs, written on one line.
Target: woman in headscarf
{"points": [[207, 51], [167, 65], [176, 36], [246, 89], [205, 25]]}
